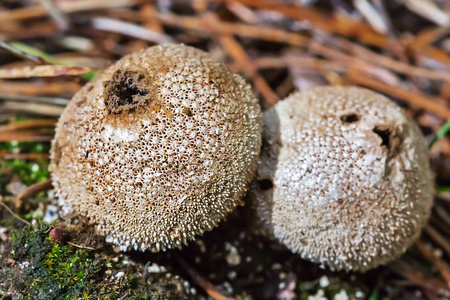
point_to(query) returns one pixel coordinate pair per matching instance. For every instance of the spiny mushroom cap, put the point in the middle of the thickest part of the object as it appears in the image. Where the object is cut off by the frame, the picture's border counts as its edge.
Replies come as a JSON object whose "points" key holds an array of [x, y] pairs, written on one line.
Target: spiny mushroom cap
{"points": [[344, 177], [158, 148]]}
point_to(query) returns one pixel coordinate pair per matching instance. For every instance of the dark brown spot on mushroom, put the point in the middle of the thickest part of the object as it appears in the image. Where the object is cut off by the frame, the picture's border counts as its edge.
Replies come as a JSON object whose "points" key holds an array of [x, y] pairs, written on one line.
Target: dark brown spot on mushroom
{"points": [[56, 153], [390, 138], [385, 134], [265, 184], [350, 118], [125, 92], [187, 111], [81, 102]]}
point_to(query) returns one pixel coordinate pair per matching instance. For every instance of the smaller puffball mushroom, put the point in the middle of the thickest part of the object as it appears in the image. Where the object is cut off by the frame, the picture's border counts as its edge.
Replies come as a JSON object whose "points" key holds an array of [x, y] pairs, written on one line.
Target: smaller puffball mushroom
{"points": [[158, 148], [344, 177]]}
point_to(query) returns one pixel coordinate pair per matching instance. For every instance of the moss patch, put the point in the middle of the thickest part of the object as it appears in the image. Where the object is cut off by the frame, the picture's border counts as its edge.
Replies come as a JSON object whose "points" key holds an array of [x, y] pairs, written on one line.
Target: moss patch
{"points": [[37, 267]]}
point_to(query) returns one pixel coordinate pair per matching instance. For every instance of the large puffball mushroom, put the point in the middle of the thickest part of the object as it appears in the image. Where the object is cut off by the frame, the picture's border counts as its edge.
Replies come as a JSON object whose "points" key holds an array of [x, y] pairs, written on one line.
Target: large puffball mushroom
{"points": [[344, 177], [158, 148]]}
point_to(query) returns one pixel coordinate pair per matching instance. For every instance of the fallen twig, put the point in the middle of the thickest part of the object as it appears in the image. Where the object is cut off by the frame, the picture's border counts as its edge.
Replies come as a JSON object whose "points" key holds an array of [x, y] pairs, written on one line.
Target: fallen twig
{"points": [[407, 96], [44, 100], [65, 7], [33, 190], [130, 29], [27, 156], [235, 50], [31, 108], [438, 238], [441, 266], [24, 89], [291, 60], [202, 282], [417, 276], [275, 35], [9, 209], [26, 136], [28, 124], [333, 24], [56, 14], [42, 71], [80, 246]]}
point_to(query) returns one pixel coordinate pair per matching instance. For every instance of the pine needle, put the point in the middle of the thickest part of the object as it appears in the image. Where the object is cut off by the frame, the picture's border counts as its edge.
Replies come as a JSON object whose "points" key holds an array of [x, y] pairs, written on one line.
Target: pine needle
{"points": [[441, 133], [47, 57]]}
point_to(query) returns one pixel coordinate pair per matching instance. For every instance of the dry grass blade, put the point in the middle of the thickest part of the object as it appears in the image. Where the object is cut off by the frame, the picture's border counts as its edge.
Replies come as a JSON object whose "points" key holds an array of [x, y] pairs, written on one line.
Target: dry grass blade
{"points": [[428, 36], [22, 31], [202, 282], [341, 25], [358, 52], [276, 35], [65, 7], [44, 100], [21, 54], [242, 12], [56, 14], [130, 29], [291, 60], [28, 124], [25, 136], [441, 266], [80, 246], [27, 156], [371, 15], [11, 212], [380, 8], [33, 190], [430, 52], [417, 276], [429, 10], [438, 238], [27, 89], [407, 96], [148, 15], [31, 109], [443, 214], [335, 24], [250, 31], [42, 71], [235, 50], [246, 65]]}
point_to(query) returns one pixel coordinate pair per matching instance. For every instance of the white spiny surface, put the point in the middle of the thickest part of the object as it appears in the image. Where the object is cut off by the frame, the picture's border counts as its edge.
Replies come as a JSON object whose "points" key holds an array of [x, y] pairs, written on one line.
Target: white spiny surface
{"points": [[341, 195], [158, 148]]}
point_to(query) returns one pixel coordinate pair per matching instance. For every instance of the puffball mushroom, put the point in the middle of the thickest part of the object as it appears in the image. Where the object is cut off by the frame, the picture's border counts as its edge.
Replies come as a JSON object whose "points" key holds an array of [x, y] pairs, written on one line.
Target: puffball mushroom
{"points": [[158, 148], [344, 177]]}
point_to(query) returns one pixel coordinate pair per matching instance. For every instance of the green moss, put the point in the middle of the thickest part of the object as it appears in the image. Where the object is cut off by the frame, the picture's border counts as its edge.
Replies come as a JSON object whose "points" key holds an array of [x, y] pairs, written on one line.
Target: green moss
{"points": [[54, 271], [29, 172], [26, 147], [40, 268]]}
